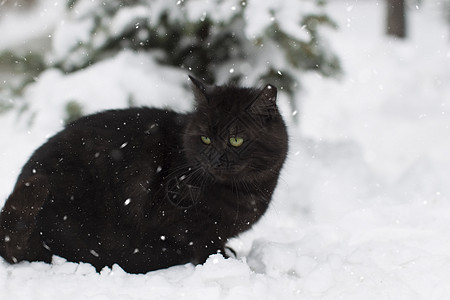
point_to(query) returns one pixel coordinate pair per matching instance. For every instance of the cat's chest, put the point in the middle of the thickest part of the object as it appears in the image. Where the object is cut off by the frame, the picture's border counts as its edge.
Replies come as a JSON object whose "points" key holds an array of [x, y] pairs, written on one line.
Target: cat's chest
{"points": [[225, 211], [236, 210]]}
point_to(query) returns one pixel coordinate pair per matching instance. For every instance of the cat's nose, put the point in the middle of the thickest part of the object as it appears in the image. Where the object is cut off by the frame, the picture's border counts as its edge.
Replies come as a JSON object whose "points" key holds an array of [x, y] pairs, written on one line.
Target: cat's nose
{"points": [[222, 161]]}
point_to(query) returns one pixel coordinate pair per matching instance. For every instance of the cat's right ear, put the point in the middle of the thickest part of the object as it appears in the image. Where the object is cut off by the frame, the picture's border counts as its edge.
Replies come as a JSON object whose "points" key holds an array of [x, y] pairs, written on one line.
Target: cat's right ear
{"points": [[200, 90]]}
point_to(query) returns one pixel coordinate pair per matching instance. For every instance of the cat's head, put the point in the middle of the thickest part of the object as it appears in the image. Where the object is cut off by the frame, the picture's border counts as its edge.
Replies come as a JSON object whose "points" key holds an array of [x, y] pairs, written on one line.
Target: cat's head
{"points": [[235, 133]]}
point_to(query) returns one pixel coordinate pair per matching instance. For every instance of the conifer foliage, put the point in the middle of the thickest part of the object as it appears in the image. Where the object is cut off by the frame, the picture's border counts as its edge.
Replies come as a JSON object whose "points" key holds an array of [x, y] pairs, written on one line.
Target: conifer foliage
{"points": [[218, 40]]}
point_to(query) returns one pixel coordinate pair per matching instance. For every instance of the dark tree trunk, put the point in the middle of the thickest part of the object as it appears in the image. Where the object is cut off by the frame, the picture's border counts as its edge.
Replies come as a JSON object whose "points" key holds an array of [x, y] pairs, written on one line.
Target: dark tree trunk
{"points": [[396, 18]]}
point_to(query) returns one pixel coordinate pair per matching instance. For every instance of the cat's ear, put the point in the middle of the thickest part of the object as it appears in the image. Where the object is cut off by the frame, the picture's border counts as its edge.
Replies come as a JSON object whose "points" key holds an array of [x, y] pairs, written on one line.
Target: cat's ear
{"points": [[200, 90], [265, 104], [268, 95]]}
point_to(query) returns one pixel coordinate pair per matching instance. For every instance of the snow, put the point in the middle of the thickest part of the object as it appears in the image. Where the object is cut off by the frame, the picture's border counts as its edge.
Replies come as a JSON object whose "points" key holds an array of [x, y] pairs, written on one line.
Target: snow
{"points": [[109, 85], [126, 18], [261, 15], [362, 207], [69, 36], [19, 27], [217, 11]]}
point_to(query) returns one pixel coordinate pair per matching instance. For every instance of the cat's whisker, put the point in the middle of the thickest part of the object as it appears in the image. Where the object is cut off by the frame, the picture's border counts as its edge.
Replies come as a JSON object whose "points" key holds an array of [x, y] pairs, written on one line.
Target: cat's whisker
{"points": [[233, 183]]}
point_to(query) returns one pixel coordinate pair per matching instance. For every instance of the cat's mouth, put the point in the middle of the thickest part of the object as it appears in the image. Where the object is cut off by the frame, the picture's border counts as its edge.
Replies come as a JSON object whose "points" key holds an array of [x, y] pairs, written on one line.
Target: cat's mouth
{"points": [[226, 173], [223, 171]]}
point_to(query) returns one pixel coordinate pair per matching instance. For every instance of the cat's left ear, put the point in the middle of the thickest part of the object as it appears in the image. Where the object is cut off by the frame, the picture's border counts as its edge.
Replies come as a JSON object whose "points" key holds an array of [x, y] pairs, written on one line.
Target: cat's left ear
{"points": [[200, 90]]}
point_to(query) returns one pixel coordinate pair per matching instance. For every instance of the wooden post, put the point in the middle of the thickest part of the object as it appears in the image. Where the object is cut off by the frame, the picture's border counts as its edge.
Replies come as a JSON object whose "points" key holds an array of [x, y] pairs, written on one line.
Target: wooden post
{"points": [[396, 18]]}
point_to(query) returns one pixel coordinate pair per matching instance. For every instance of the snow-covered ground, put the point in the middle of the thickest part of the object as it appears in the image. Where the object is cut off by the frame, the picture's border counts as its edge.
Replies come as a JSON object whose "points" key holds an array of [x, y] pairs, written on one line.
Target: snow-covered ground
{"points": [[362, 210]]}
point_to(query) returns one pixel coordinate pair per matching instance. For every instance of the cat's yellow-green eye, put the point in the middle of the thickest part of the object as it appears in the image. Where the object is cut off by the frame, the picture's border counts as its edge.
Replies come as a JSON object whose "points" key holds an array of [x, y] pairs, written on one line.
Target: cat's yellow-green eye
{"points": [[206, 140], [236, 141]]}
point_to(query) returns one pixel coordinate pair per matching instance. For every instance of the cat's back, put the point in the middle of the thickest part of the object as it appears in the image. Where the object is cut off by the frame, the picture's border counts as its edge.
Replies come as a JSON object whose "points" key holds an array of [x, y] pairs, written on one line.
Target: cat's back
{"points": [[110, 133], [122, 125], [138, 120]]}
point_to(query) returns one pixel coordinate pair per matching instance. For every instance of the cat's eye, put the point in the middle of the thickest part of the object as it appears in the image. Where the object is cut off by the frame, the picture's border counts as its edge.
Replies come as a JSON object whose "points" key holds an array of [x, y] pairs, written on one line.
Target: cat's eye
{"points": [[206, 140], [236, 141]]}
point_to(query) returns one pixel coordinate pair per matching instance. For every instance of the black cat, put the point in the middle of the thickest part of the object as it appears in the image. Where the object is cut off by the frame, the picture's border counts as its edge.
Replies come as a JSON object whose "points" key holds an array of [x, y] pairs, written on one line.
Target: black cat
{"points": [[149, 188]]}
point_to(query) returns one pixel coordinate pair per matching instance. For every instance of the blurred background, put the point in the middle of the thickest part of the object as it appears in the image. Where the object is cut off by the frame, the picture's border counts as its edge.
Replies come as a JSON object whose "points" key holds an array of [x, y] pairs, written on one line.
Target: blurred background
{"points": [[219, 41], [245, 42]]}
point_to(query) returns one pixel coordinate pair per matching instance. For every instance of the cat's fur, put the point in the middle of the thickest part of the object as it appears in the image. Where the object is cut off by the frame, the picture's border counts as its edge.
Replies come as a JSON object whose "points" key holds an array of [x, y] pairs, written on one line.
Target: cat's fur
{"points": [[139, 188]]}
